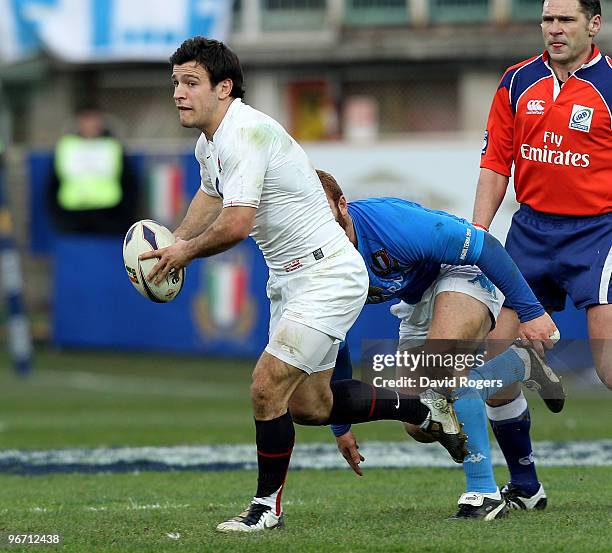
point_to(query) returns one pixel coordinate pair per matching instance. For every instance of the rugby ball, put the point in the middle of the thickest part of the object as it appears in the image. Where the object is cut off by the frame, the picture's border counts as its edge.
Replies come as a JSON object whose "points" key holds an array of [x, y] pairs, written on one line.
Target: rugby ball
{"points": [[145, 236]]}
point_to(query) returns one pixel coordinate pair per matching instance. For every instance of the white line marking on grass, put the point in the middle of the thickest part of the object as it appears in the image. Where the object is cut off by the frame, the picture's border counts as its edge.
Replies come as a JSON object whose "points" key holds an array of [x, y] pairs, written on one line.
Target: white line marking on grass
{"points": [[305, 456], [135, 506], [130, 385]]}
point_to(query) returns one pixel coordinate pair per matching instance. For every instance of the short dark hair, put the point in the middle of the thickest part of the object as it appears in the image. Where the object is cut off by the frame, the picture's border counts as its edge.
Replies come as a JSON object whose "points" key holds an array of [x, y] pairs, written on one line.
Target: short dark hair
{"points": [[590, 8], [330, 185], [214, 56]]}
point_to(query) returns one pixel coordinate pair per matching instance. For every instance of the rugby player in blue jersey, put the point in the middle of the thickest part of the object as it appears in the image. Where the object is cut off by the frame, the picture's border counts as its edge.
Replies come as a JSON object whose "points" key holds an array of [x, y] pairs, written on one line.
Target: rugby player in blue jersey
{"points": [[434, 263]]}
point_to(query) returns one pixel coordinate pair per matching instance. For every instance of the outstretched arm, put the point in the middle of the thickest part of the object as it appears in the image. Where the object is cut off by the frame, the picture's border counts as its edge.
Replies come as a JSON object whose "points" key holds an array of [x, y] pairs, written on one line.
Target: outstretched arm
{"points": [[233, 225], [203, 210]]}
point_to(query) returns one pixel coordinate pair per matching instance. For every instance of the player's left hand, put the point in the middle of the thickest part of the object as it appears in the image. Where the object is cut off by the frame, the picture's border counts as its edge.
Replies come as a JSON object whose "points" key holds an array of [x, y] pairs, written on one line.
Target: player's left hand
{"points": [[349, 448], [539, 333], [172, 258]]}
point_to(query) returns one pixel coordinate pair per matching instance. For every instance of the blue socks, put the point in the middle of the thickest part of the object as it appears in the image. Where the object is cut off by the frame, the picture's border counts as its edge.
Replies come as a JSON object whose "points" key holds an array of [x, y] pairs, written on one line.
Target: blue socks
{"points": [[511, 424], [506, 368], [477, 465]]}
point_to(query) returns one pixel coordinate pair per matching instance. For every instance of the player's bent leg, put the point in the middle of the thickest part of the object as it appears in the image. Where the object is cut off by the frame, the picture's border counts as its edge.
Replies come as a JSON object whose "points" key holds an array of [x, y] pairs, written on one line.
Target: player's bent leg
{"points": [[312, 400], [510, 420], [353, 401], [511, 424], [293, 352], [504, 333], [458, 316], [273, 382], [316, 402], [460, 321], [599, 319], [468, 320], [272, 385], [498, 341], [356, 402]]}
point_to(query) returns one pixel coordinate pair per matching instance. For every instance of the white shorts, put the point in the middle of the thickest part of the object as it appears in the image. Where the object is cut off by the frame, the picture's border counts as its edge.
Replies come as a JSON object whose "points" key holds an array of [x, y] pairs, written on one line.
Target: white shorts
{"points": [[312, 310], [467, 279]]}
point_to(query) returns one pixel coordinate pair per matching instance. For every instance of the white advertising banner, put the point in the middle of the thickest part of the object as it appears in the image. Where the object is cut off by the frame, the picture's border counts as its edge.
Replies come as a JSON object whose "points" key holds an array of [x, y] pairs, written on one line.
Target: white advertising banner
{"points": [[437, 173], [107, 30]]}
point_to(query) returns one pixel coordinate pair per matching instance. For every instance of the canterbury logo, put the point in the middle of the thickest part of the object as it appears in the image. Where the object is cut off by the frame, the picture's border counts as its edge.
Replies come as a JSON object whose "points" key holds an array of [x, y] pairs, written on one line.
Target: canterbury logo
{"points": [[535, 106]]}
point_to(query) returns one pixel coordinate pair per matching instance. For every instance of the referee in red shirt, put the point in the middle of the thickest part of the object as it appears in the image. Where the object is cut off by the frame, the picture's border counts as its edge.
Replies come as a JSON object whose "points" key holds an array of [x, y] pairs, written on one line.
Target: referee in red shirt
{"points": [[552, 119]]}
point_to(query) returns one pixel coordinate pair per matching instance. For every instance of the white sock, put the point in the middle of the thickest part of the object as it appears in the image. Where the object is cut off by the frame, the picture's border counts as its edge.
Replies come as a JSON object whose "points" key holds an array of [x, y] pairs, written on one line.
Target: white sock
{"points": [[511, 410], [271, 501]]}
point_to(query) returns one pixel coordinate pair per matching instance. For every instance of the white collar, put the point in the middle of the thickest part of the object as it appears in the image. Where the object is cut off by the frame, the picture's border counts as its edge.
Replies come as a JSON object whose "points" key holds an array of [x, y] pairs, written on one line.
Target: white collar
{"points": [[236, 102]]}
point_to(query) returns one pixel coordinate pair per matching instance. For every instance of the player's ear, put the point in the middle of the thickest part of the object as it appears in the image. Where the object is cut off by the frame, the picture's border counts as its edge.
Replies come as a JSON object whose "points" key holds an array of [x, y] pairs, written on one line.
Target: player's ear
{"points": [[594, 25], [225, 88], [342, 204]]}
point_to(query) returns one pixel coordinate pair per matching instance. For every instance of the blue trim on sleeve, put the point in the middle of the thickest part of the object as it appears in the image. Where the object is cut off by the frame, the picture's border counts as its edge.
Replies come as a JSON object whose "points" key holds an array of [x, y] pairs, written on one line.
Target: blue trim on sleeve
{"points": [[525, 77], [600, 76]]}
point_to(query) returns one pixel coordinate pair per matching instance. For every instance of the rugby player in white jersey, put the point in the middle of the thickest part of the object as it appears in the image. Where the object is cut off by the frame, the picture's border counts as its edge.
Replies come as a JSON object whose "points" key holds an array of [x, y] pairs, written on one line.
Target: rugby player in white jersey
{"points": [[257, 181]]}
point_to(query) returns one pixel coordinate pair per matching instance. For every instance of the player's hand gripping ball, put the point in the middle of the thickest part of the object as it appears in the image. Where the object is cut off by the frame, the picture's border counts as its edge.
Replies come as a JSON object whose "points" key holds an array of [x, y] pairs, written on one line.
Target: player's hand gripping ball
{"points": [[145, 236]]}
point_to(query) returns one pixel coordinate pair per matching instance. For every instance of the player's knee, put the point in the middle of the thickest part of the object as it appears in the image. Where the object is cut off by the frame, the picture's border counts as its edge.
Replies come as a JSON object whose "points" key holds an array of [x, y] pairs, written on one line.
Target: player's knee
{"points": [[264, 395], [418, 434]]}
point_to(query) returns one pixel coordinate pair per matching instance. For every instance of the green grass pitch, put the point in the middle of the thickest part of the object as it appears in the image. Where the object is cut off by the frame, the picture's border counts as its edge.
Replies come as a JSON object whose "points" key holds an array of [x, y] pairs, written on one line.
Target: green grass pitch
{"points": [[95, 399]]}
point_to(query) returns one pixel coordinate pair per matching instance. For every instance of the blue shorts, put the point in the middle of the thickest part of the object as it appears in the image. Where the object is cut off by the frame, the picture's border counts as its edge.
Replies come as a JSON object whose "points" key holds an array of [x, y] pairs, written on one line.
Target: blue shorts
{"points": [[560, 255]]}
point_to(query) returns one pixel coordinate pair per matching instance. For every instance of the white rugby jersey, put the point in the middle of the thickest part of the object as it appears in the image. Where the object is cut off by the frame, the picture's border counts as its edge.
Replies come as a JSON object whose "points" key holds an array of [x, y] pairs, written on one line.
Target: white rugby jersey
{"points": [[252, 161]]}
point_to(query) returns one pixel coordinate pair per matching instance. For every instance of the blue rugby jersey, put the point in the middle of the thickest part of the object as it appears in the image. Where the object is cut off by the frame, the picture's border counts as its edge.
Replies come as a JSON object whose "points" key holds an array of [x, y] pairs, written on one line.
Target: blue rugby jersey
{"points": [[404, 245]]}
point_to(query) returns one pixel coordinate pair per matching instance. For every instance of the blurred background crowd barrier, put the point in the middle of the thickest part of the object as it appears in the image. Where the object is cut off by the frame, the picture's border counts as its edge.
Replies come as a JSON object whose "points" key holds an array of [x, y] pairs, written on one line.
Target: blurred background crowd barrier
{"points": [[390, 96]]}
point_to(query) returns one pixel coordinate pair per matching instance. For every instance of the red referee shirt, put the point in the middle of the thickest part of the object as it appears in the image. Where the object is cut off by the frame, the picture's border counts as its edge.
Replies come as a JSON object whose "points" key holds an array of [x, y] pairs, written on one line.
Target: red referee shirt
{"points": [[559, 138]]}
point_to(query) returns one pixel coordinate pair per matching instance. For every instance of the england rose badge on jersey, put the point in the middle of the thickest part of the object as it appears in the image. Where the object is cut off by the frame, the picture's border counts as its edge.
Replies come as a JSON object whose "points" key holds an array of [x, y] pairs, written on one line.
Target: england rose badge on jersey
{"points": [[581, 118]]}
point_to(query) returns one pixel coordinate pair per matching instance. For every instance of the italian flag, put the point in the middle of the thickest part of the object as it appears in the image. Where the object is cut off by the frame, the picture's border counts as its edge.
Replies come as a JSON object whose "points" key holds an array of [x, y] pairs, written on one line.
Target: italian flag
{"points": [[166, 192], [226, 284]]}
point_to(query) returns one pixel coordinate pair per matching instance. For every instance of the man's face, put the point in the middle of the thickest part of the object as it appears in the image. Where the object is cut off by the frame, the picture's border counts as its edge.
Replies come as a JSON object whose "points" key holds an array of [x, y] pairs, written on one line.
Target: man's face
{"points": [[90, 124], [196, 99], [568, 34]]}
